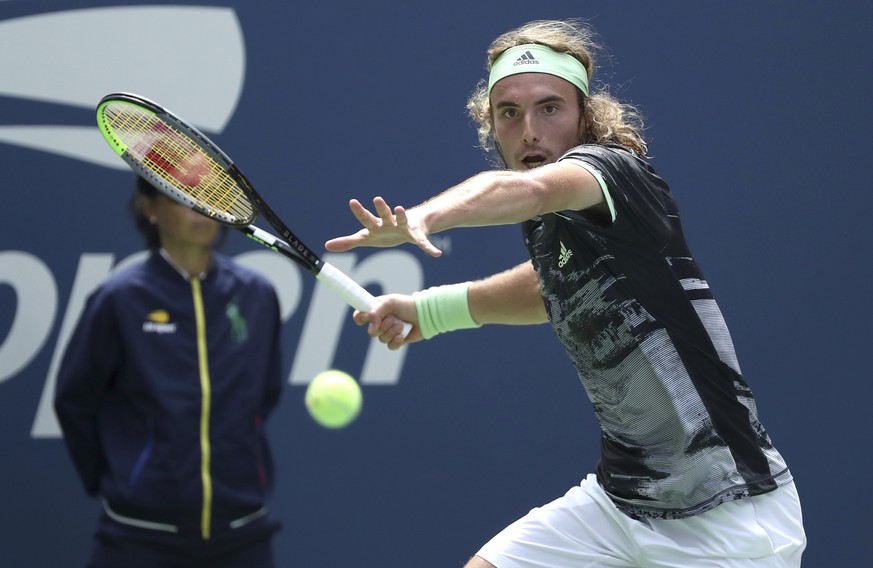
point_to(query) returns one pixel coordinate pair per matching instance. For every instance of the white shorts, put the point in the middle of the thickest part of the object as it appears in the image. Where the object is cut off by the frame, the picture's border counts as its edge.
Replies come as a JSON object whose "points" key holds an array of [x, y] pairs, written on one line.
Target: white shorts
{"points": [[584, 528]]}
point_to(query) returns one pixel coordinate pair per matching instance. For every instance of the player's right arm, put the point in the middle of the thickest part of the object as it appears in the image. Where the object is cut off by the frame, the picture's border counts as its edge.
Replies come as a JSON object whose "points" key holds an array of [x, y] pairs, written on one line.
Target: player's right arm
{"points": [[511, 297]]}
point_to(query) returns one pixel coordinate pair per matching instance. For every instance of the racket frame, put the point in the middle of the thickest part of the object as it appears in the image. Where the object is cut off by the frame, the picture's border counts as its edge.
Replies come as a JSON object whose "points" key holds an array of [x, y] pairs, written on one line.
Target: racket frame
{"points": [[288, 245]]}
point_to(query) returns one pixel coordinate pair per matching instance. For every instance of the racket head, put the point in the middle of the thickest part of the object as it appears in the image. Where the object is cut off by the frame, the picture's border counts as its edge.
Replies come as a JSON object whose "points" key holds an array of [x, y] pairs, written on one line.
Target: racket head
{"points": [[175, 157]]}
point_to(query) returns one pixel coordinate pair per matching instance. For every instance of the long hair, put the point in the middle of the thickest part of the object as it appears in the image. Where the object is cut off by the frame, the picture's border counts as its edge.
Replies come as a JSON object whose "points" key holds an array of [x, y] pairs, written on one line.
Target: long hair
{"points": [[607, 120]]}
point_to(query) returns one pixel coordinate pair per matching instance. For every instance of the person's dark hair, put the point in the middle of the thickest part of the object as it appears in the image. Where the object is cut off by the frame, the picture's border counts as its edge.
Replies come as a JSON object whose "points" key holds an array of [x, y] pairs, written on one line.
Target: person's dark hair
{"points": [[146, 228], [149, 231]]}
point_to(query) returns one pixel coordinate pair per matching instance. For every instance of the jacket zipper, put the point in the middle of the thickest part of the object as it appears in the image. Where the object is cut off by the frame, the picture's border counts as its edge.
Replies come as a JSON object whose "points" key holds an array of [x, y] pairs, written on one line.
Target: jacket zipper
{"points": [[205, 393]]}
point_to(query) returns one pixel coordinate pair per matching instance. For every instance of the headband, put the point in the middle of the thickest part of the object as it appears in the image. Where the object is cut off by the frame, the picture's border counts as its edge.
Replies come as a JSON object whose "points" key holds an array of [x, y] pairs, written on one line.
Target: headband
{"points": [[536, 58]]}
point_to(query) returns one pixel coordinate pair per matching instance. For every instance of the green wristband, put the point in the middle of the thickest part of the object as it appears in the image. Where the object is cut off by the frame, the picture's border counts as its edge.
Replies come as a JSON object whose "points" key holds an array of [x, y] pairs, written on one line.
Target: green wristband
{"points": [[443, 308]]}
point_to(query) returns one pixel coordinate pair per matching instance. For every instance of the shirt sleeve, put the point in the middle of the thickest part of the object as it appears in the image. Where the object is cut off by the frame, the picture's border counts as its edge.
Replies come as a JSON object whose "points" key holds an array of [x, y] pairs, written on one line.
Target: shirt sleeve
{"points": [[88, 365], [640, 201], [274, 369], [603, 187]]}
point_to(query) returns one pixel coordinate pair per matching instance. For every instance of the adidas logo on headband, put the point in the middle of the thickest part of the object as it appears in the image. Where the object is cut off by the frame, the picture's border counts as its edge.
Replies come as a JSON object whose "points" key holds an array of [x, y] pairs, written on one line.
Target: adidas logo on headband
{"points": [[526, 58], [521, 59]]}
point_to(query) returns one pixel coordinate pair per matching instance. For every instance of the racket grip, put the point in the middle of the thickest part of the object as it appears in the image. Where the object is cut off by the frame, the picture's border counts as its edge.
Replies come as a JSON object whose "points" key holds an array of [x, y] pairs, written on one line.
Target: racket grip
{"points": [[350, 291]]}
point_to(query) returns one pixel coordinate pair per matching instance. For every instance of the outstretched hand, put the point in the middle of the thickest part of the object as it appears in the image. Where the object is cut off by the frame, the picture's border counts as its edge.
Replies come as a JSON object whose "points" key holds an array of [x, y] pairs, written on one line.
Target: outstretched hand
{"points": [[386, 228]]}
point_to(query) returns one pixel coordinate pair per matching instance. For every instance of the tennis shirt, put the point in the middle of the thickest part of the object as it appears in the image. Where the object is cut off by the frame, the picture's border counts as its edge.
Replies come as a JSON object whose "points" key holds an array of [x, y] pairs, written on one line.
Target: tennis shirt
{"points": [[680, 432]]}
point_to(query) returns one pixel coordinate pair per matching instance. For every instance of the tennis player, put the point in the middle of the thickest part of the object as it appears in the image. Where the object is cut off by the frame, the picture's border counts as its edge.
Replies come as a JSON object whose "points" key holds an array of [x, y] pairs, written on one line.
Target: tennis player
{"points": [[688, 476]]}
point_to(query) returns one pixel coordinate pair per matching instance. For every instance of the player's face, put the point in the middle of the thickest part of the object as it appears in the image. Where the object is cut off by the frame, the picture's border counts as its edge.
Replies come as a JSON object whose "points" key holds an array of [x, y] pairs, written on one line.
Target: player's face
{"points": [[536, 119], [180, 226]]}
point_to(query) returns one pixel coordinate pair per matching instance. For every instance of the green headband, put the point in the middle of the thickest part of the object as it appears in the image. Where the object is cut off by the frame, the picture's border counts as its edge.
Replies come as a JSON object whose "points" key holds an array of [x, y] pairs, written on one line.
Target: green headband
{"points": [[536, 58]]}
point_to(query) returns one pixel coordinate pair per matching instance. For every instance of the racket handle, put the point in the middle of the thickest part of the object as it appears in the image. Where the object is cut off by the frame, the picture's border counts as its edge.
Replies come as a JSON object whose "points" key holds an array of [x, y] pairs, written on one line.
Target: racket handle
{"points": [[350, 291]]}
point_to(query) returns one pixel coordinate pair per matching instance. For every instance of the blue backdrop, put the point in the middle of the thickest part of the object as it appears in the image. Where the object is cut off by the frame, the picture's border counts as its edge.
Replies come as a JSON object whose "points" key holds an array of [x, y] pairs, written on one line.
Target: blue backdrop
{"points": [[758, 115]]}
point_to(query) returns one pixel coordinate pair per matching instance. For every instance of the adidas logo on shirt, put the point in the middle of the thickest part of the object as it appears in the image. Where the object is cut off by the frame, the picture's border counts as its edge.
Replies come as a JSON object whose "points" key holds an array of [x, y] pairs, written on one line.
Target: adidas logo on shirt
{"points": [[526, 58], [564, 256]]}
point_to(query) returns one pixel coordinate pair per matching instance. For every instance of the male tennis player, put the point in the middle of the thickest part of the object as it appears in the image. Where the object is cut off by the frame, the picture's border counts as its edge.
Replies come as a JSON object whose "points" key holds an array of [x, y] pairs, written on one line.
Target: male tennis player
{"points": [[687, 476]]}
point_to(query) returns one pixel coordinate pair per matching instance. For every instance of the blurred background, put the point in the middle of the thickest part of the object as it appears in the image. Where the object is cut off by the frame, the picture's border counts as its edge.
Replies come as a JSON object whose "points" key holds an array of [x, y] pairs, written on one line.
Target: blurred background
{"points": [[757, 115]]}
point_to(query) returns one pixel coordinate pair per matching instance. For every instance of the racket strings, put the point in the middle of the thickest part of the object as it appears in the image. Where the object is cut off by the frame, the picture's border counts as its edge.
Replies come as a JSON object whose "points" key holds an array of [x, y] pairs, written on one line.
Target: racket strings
{"points": [[186, 170]]}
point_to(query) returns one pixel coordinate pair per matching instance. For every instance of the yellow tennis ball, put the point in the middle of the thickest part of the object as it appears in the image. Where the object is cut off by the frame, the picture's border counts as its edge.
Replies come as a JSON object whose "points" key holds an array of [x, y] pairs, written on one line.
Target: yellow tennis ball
{"points": [[333, 399]]}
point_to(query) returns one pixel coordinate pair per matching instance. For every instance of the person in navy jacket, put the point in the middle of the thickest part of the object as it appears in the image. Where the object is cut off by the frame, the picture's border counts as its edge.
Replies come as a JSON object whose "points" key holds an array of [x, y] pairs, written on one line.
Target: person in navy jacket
{"points": [[163, 394]]}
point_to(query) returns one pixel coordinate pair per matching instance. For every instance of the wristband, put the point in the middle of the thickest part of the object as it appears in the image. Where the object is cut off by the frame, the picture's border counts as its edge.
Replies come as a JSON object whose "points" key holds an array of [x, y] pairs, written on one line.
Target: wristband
{"points": [[443, 308]]}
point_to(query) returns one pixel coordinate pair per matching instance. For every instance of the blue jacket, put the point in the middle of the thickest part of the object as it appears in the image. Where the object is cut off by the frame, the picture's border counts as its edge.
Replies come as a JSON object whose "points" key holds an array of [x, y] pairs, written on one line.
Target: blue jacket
{"points": [[162, 403]]}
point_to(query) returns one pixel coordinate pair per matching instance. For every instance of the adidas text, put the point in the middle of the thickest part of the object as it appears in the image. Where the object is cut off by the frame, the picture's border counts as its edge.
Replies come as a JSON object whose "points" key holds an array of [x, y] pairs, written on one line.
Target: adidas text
{"points": [[564, 256], [527, 58]]}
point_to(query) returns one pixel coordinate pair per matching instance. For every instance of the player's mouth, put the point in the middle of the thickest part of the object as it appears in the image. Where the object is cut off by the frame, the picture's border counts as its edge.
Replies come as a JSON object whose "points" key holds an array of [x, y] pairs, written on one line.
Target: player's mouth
{"points": [[532, 161]]}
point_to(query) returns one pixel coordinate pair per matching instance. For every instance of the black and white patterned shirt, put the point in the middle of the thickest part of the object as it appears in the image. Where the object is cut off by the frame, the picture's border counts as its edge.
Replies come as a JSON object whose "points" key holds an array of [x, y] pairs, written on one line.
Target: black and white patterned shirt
{"points": [[680, 429]]}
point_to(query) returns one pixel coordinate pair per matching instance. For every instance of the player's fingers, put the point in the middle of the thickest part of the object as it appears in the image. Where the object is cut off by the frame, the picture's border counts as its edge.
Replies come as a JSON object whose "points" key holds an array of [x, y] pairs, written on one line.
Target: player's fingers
{"points": [[342, 244], [363, 215], [388, 338], [385, 330], [384, 211], [379, 326], [361, 318], [425, 244], [418, 234], [339, 244], [429, 247], [398, 340]]}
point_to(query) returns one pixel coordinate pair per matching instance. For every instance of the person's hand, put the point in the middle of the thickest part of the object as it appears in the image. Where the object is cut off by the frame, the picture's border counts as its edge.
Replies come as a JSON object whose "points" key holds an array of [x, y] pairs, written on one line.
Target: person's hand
{"points": [[385, 321], [386, 228]]}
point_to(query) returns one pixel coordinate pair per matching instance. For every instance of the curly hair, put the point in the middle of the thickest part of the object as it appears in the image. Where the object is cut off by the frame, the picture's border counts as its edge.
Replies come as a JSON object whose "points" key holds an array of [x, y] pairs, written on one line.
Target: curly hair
{"points": [[607, 120]]}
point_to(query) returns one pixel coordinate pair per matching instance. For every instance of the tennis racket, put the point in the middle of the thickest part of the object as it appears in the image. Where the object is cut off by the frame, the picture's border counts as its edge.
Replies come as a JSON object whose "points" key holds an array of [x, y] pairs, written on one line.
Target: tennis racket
{"points": [[188, 167]]}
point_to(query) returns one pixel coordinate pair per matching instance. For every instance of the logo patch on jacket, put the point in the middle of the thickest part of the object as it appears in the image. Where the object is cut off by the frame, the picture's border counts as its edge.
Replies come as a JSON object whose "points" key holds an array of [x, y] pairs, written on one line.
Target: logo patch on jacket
{"points": [[159, 322], [239, 328], [564, 256]]}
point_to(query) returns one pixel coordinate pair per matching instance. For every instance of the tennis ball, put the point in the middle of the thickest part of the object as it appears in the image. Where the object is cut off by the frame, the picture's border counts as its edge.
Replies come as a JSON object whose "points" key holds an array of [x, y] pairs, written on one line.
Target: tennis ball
{"points": [[333, 399]]}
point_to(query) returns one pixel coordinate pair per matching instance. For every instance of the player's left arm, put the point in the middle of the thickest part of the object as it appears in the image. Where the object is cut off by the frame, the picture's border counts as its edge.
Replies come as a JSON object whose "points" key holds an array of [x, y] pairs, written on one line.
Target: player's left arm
{"points": [[510, 197], [488, 198]]}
